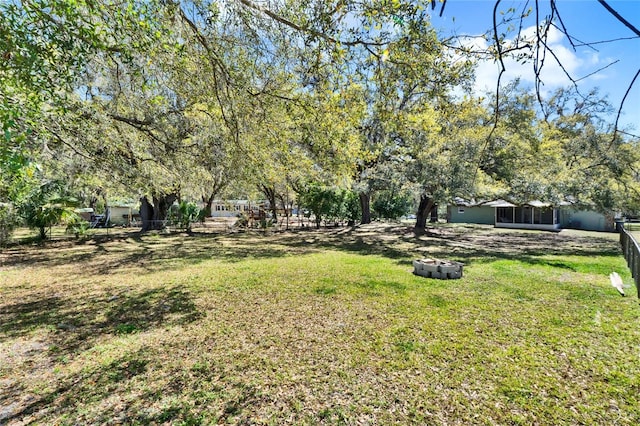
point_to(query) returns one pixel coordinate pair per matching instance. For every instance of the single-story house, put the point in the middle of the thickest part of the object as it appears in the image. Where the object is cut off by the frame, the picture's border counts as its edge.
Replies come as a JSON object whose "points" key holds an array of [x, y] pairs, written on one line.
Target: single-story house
{"points": [[532, 215], [232, 208]]}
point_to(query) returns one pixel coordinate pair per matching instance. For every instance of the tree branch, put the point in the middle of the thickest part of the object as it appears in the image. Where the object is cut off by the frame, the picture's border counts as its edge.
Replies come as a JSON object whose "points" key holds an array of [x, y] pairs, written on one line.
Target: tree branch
{"points": [[623, 100], [619, 17]]}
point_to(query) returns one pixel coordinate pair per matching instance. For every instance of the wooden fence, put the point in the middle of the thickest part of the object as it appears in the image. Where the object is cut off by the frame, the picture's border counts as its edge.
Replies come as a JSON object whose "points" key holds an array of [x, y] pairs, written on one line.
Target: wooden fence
{"points": [[631, 254]]}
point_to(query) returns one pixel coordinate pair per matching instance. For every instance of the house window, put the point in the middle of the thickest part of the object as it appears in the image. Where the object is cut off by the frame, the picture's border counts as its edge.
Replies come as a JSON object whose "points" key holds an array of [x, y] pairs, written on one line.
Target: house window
{"points": [[460, 210]]}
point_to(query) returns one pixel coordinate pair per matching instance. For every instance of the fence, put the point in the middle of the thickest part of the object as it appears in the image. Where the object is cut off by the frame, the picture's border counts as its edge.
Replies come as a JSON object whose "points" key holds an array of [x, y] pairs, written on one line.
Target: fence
{"points": [[631, 252]]}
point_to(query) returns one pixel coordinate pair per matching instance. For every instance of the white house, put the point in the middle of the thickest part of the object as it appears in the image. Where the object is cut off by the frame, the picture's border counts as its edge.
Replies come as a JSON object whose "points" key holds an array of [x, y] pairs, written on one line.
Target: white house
{"points": [[232, 208]]}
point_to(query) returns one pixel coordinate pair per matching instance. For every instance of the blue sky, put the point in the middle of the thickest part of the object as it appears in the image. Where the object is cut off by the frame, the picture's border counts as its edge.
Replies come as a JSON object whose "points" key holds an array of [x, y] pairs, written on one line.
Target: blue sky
{"points": [[586, 20]]}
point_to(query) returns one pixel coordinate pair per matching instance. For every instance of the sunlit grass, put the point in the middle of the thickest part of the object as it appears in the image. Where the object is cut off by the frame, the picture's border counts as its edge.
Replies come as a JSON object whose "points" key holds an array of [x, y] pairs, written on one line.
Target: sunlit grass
{"points": [[319, 327]]}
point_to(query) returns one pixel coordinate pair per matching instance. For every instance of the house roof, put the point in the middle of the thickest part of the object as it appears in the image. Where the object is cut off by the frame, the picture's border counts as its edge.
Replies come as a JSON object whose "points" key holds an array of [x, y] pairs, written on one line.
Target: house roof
{"points": [[504, 203], [498, 203], [536, 203]]}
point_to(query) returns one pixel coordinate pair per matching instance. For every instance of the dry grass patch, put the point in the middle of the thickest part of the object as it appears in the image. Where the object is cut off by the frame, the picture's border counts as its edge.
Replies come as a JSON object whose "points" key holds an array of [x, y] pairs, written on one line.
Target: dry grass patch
{"points": [[318, 327]]}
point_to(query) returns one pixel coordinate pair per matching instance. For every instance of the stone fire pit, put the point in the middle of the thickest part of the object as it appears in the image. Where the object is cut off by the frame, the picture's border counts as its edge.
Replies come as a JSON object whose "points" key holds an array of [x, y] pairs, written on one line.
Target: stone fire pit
{"points": [[435, 268]]}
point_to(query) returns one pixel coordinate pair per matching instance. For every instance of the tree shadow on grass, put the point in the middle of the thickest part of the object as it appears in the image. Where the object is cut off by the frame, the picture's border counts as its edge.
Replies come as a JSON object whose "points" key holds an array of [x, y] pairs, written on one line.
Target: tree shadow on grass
{"points": [[77, 323], [108, 387], [356, 244], [158, 252], [146, 252], [72, 392], [468, 245]]}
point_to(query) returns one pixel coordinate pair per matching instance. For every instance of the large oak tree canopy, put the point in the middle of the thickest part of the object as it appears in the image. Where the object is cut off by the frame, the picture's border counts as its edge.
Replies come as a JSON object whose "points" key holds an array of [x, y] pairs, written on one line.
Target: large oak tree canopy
{"points": [[165, 100]]}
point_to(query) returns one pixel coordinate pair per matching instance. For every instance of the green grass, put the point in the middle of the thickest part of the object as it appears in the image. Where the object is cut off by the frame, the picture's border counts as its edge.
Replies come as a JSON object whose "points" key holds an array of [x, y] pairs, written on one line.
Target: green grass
{"points": [[319, 327]]}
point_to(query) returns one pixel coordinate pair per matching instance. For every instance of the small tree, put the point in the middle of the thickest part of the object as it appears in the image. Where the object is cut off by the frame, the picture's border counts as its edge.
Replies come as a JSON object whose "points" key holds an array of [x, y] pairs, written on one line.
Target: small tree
{"points": [[44, 207], [324, 203], [43, 217]]}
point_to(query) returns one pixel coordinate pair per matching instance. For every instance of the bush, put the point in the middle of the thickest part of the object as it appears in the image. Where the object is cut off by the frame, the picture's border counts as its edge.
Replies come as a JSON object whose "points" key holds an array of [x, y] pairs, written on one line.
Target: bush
{"points": [[8, 221], [184, 215], [330, 204], [353, 211], [77, 226], [44, 207]]}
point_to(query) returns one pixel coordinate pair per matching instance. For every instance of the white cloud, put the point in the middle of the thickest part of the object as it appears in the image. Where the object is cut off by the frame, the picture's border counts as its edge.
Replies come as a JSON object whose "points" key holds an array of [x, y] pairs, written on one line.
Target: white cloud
{"points": [[552, 74]]}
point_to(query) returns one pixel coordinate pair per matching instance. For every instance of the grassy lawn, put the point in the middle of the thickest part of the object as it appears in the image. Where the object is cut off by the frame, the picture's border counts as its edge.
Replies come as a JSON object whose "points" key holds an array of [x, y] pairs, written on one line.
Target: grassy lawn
{"points": [[319, 327]]}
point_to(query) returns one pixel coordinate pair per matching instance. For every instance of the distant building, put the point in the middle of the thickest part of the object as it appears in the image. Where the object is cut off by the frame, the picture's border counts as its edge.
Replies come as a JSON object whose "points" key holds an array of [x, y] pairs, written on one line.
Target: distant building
{"points": [[232, 208], [123, 215], [531, 215]]}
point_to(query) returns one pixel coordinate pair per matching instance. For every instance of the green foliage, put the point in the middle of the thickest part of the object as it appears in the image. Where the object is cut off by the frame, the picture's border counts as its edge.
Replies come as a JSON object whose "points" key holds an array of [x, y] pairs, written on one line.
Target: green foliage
{"points": [[108, 89], [184, 215], [243, 220], [391, 204], [329, 204], [352, 208], [8, 221], [44, 207], [77, 226]]}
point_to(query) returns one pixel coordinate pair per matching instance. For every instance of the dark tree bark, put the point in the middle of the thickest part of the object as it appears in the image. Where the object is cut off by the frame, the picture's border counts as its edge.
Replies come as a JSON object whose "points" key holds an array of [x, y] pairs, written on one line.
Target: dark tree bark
{"points": [[270, 193], [365, 201], [424, 209], [208, 202], [286, 208], [434, 214], [154, 215]]}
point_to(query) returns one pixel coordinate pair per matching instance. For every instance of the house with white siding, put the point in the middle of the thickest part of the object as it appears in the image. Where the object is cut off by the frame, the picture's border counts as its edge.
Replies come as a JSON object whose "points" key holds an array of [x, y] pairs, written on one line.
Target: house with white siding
{"points": [[233, 208]]}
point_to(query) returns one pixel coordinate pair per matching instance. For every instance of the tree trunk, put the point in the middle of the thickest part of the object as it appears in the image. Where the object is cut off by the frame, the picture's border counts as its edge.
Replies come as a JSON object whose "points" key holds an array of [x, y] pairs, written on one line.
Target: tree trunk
{"points": [[365, 198], [424, 208], [434, 214], [93, 201], [208, 202], [285, 206], [154, 215], [270, 193]]}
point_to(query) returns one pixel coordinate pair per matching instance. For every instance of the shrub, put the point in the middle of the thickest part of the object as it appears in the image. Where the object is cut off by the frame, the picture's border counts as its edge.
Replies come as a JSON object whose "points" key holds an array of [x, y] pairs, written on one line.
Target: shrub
{"points": [[77, 226], [184, 215], [330, 204]]}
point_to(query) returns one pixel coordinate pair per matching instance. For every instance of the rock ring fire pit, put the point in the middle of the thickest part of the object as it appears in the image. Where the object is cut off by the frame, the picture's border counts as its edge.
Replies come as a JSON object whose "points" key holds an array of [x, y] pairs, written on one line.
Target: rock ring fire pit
{"points": [[435, 268]]}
